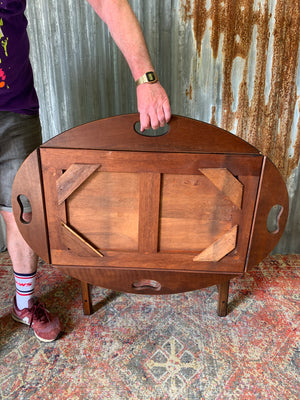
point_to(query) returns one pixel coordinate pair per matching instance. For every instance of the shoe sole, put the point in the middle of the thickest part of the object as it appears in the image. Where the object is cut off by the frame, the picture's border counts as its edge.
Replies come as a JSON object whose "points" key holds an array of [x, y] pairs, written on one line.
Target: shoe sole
{"points": [[17, 319]]}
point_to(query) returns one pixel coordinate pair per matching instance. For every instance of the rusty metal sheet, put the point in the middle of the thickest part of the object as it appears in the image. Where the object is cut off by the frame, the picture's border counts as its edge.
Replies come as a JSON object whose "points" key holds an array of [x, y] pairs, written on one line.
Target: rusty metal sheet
{"points": [[256, 45]]}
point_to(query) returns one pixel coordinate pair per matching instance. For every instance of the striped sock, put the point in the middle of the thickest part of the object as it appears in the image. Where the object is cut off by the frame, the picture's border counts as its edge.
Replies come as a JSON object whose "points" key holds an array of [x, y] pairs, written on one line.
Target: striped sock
{"points": [[25, 284]]}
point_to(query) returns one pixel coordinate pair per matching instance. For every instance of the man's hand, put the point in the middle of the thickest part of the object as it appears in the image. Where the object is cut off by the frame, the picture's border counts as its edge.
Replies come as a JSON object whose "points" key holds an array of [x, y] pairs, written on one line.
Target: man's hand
{"points": [[153, 106]]}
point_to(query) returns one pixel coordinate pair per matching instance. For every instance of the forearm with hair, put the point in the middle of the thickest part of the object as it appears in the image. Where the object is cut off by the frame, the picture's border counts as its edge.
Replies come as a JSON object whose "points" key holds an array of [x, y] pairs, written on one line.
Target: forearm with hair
{"points": [[126, 32]]}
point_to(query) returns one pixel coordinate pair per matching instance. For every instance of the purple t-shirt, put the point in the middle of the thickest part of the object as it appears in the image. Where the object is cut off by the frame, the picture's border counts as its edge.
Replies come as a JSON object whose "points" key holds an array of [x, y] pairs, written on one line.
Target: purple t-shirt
{"points": [[17, 91]]}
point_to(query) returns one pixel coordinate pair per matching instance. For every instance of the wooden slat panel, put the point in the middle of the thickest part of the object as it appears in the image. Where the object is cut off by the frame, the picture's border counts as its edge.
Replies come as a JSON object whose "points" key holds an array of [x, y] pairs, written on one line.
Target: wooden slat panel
{"points": [[54, 212], [220, 248], [247, 214], [149, 212], [226, 183], [194, 213], [73, 177], [190, 196], [178, 163], [77, 242], [188, 234], [104, 210], [178, 261]]}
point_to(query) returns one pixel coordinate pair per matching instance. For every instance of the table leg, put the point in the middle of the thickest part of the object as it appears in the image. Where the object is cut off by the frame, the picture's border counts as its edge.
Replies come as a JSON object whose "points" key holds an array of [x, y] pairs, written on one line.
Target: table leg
{"points": [[86, 298], [223, 289]]}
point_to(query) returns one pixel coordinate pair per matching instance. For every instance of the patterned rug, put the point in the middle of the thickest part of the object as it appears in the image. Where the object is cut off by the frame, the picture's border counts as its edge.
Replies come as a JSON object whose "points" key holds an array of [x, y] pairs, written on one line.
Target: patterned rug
{"points": [[158, 348]]}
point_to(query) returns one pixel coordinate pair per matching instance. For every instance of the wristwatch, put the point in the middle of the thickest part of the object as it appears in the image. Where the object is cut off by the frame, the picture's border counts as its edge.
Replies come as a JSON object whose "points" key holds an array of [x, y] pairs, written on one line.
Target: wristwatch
{"points": [[148, 77]]}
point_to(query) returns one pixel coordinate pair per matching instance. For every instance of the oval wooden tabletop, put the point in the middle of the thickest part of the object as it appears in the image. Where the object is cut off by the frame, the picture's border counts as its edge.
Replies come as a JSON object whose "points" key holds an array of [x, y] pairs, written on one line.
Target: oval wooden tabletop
{"points": [[185, 135]]}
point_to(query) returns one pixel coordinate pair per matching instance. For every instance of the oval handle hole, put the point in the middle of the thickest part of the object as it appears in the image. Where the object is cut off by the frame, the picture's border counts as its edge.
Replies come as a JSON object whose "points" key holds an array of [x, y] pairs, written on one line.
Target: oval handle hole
{"points": [[151, 132], [273, 219], [146, 284], [25, 209]]}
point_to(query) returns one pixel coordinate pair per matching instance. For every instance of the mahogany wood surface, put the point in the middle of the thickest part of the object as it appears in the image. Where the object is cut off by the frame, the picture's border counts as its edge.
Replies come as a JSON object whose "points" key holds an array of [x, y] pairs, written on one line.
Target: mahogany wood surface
{"points": [[170, 210], [86, 298], [151, 215], [124, 279], [28, 183], [272, 192], [223, 289], [118, 133]]}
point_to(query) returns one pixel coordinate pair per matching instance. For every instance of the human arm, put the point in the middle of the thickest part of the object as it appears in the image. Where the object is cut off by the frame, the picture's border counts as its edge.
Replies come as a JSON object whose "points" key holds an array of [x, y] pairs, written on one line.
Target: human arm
{"points": [[152, 100]]}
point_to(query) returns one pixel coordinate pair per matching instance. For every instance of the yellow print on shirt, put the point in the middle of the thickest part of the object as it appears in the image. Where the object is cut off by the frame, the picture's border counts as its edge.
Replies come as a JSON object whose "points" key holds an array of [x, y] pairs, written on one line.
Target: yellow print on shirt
{"points": [[3, 41], [4, 45], [1, 24]]}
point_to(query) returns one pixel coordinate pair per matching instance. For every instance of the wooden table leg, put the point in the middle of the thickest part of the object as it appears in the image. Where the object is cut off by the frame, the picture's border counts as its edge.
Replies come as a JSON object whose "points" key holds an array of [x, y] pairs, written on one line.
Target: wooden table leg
{"points": [[86, 298], [223, 298]]}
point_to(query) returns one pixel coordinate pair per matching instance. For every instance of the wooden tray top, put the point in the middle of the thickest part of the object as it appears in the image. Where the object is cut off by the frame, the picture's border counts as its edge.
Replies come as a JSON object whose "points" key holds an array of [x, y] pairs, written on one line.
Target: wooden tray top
{"points": [[164, 214]]}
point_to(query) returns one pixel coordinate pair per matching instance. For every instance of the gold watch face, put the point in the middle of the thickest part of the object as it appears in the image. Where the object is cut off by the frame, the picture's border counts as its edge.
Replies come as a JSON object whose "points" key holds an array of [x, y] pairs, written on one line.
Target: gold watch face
{"points": [[150, 76]]}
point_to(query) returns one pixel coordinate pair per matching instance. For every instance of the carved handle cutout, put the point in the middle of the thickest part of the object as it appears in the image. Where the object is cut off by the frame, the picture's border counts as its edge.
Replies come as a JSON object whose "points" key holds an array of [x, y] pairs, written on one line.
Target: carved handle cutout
{"points": [[151, 132], [25, 215], [146, 284], [273, 219]]}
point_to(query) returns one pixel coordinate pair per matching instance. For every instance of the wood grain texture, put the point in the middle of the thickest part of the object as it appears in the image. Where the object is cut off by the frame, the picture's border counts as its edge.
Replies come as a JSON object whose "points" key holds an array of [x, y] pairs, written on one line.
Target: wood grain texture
{"points": [[105, 210], [123, 280], [72, 178], [28, 183], [79, 240], [194, 213], [185, 135], [226, 183], [176, 261], [220, 248], [169, 214], [272, 192], [149, 207], [223, 289], [86, 298]]}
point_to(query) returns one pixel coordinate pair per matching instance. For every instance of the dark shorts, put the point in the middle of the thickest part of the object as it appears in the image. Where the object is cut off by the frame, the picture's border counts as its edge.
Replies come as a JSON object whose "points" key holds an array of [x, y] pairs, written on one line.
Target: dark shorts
{"points": [[19, 135]]}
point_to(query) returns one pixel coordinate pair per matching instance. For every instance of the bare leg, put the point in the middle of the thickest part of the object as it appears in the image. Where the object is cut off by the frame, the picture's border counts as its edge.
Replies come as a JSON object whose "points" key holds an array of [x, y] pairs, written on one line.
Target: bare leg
{"points": [[24, 260], [46, 327]]}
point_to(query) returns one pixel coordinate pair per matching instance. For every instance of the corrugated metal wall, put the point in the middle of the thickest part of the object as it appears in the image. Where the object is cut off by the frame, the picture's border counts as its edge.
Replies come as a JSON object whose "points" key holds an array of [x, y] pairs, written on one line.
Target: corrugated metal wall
{"points": [[233, 63]]}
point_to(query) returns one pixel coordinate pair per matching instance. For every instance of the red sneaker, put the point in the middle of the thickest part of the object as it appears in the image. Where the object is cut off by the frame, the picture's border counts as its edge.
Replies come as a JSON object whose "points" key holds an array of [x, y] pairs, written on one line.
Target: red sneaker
{"points": [[46, 327]]}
